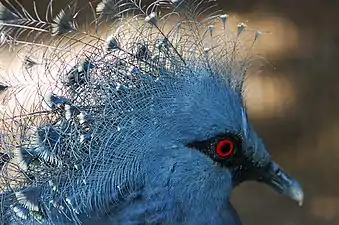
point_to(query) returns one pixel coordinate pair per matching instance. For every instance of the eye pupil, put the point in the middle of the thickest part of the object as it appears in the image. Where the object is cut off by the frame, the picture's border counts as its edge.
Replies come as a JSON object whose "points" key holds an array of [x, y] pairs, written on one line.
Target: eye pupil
{"points": [[224, 148]]}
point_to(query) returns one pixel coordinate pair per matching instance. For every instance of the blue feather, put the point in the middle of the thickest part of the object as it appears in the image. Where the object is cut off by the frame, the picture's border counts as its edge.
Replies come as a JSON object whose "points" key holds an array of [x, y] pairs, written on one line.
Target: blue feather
{"points": [[111, 145]]}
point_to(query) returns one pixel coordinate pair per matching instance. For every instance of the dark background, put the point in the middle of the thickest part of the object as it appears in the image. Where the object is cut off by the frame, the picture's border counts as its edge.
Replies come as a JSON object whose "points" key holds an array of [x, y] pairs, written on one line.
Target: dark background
{"points": [[293, 102]]}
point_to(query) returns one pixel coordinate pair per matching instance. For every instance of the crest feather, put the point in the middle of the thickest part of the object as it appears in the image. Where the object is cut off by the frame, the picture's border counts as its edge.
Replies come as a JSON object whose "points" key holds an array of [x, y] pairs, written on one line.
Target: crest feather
{"points": [[71, 111]]}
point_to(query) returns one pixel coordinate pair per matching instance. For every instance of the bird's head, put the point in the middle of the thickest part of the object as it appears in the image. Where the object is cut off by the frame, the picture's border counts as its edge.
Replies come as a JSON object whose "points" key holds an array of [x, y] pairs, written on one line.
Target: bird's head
{"points": [[203, 115], [146, 108]]}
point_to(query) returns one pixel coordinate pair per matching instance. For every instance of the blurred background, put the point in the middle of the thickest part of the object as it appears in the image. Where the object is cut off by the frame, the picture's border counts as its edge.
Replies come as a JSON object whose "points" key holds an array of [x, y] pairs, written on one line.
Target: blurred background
{"points": [[292, 95]]}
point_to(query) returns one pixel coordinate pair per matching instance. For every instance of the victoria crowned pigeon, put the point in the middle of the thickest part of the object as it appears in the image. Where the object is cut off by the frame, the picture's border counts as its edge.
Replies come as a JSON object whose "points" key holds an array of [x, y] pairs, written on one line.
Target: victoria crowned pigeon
{"points": [[135, 117]]}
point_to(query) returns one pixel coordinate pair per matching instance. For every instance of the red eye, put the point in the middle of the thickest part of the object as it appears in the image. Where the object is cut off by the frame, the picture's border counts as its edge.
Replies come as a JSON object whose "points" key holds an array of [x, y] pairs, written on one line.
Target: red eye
{"points": [[224, 148]]}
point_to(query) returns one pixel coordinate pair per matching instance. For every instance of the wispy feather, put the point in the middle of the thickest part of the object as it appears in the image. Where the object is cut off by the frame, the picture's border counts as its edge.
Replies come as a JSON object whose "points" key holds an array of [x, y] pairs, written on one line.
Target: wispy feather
{"points": [[21, 212], [108, 8], [63, 23], [112, 43], [81, 110], [29, 198], [6, 14], [29, 62], [4, 158], [24, 157]]}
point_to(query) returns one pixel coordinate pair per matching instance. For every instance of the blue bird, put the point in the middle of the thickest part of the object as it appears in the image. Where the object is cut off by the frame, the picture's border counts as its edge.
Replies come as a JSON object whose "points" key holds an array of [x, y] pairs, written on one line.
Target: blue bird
{"points": [[145, 122]]}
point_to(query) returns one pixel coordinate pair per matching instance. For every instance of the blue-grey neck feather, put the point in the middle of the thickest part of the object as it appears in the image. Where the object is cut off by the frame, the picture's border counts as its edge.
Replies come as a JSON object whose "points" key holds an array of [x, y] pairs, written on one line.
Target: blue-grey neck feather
{"points": [[103, 134]]}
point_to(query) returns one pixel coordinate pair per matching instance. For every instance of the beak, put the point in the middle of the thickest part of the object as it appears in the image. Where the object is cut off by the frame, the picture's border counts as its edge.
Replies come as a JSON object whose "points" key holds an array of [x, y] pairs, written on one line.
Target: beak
{"points": [[279, 180]]}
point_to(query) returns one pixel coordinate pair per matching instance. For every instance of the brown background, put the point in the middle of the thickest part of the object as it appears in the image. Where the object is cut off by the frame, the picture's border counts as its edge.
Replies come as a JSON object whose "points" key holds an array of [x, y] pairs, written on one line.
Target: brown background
{"points": [[293, 102]]}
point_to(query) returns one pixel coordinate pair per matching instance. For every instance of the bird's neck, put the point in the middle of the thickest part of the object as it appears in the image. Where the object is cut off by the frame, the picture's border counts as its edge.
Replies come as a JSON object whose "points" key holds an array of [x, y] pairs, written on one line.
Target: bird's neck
{"points": [[192, 181]]}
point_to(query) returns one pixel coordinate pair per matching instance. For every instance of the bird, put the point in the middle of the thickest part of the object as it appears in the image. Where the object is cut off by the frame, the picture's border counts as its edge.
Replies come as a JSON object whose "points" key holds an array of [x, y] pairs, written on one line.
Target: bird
{"points": [[141, 120]]}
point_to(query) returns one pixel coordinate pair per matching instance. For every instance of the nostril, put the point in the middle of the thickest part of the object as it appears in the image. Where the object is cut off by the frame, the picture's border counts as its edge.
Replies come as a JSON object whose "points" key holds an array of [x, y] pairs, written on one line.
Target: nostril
{"points": [[275, 167], [277, 170]]}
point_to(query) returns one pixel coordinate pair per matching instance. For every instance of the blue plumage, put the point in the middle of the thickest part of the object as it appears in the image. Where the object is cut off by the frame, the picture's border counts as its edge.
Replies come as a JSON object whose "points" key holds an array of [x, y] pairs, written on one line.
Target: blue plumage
{"points": [[132, 122]]}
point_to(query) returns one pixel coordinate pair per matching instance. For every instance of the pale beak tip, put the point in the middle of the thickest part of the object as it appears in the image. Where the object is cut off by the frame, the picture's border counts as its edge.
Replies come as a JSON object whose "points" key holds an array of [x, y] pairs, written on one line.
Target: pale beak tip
{"points": [[296, 193]]}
